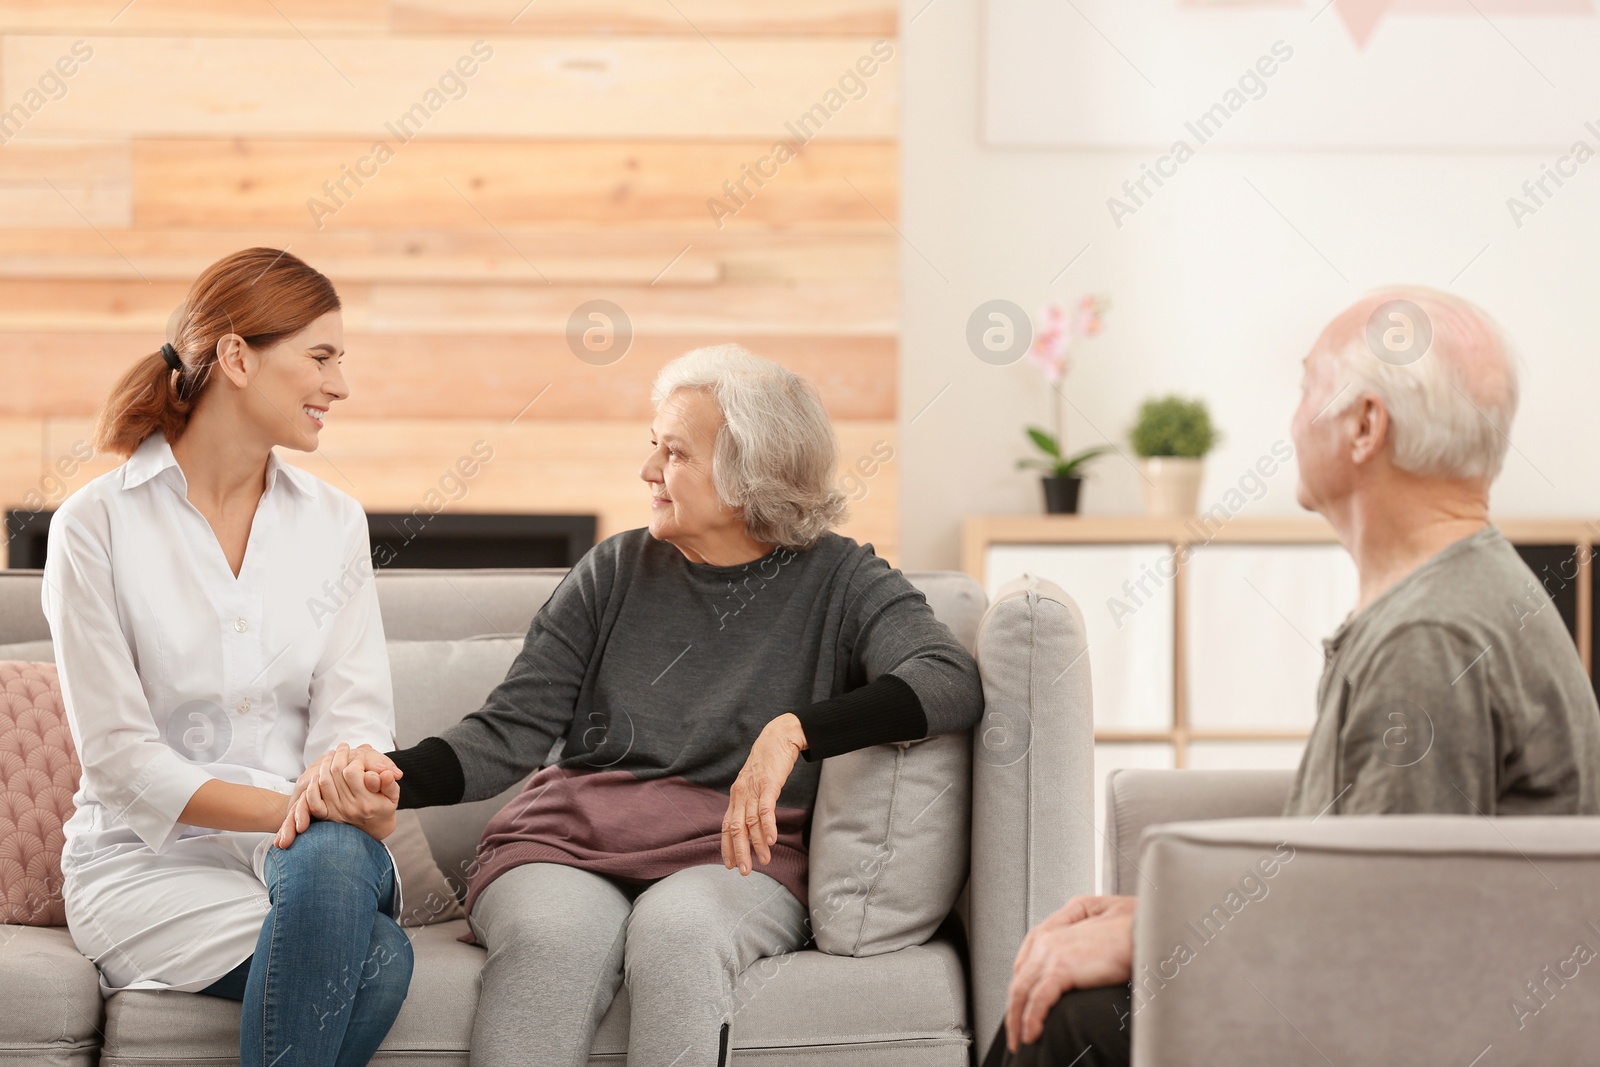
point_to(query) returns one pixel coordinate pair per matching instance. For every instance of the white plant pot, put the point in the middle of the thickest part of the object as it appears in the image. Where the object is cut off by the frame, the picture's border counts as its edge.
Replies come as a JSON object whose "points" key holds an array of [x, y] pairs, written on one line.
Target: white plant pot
{"points": [[1172, 485]]}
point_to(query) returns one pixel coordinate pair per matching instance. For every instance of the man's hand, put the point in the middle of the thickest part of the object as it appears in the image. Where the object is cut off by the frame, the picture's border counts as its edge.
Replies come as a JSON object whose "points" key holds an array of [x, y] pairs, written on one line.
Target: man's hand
{"points": [[752, 818], [1085, 945], [355, 786]]}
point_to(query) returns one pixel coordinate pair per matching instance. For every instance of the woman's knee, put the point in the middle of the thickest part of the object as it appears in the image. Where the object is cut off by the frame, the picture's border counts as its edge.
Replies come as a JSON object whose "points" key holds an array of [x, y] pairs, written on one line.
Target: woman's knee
{"points": [[332, 857], [530, 914], [528, 939], [715, 917], [672, 931], [325, 839]]}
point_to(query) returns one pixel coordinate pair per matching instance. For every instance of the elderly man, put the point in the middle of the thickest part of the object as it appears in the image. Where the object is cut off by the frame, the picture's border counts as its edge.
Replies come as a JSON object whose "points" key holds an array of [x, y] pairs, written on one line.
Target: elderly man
{"points": [[1447, 690]]}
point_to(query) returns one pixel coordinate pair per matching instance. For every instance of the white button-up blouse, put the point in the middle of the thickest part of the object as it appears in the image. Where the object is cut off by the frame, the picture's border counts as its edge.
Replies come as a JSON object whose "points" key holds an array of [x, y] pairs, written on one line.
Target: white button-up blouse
{"points": [[174, 672]]}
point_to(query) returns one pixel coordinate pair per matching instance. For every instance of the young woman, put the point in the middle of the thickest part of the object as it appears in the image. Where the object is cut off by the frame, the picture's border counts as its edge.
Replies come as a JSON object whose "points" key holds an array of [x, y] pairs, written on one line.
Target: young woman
{"points": [[202, 674]]}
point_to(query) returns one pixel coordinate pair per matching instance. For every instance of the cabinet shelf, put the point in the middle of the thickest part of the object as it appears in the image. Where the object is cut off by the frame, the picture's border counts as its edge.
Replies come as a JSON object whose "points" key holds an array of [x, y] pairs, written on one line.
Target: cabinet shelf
{"points": [[1148, 566]]}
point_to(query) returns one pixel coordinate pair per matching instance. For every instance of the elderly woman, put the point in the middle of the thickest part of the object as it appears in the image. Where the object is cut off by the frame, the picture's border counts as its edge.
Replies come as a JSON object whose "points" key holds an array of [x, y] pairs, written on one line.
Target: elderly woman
{"points": [[696, 672]]}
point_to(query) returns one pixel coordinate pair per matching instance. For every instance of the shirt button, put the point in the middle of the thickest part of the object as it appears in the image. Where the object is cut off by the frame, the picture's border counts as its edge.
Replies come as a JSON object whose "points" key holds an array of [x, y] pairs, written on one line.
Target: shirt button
{"points": [[241, 625], [244, 706]]}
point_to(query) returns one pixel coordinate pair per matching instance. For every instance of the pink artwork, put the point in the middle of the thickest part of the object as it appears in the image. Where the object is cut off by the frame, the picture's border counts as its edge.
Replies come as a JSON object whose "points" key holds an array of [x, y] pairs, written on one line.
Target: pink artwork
{"points": [[1361, 17]]}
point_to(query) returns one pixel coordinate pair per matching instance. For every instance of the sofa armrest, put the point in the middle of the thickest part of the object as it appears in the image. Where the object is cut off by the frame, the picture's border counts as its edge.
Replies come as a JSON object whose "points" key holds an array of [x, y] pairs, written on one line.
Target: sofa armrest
{"points": [[1032, 781], [1136, 799], [1368, 939]]}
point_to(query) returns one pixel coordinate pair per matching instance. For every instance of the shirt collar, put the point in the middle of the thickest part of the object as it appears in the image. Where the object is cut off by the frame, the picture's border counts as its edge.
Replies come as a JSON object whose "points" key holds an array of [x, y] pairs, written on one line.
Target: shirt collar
{"points": [[1487, 535], [154, 455]]}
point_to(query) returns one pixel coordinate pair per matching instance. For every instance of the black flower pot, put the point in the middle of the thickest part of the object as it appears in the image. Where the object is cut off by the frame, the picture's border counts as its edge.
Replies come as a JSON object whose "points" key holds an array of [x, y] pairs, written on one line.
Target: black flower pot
{"points": [[1061, 495]]}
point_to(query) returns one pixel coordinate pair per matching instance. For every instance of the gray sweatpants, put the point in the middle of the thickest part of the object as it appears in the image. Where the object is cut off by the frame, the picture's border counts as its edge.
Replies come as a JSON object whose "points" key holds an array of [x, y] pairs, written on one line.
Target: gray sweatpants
{"points": [[562, 940]]}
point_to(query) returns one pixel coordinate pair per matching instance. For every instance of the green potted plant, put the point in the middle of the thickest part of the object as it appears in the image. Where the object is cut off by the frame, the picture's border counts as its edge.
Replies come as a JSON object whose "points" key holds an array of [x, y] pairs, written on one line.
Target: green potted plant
{"points": [[1062, 483], [1050, 352], [1172, 436]]}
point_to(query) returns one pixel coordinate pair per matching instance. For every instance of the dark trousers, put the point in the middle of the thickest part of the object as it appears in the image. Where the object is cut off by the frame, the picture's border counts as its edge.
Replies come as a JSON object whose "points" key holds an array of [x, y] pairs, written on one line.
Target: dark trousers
{"points": [[1086, 1028]]}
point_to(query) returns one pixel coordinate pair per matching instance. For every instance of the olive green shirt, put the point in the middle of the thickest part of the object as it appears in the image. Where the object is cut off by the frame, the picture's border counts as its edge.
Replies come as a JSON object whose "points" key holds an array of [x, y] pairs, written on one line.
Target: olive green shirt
{"points": [[1458, 691]]}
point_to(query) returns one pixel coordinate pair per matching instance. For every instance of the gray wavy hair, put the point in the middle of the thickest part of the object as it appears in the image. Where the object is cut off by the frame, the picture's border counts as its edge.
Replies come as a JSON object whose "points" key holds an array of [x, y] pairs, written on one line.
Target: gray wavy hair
{"points": [[775, 458]]}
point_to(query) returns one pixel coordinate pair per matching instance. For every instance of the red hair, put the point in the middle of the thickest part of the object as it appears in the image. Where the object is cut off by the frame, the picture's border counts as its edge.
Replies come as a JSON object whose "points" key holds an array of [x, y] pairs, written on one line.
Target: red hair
{"points": [[262, 294]]}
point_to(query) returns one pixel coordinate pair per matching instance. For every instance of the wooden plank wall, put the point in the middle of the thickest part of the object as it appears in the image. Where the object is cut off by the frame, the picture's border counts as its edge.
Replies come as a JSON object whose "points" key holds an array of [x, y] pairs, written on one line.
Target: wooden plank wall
{"points": [[577, 161]]}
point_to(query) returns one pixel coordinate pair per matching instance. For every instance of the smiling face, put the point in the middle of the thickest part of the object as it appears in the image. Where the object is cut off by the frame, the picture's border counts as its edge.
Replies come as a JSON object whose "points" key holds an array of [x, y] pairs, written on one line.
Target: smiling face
{"points": [[684, 506], [295, 382]]}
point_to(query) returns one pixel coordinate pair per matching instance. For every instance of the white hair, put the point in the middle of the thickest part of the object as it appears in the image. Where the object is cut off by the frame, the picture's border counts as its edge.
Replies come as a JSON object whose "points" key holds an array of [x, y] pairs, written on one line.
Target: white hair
{"points": [[1450, 411], [775, 457]]}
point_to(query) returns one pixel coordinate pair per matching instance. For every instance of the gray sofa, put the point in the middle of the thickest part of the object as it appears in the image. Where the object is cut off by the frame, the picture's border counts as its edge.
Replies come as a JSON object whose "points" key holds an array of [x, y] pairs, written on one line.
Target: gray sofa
{"points": [[1458, 940], [923, 1006]]}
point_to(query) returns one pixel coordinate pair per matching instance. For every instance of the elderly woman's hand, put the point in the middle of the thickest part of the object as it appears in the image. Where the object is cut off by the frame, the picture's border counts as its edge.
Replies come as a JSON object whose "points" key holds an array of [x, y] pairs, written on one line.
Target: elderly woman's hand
{"points": [[752, 819]]}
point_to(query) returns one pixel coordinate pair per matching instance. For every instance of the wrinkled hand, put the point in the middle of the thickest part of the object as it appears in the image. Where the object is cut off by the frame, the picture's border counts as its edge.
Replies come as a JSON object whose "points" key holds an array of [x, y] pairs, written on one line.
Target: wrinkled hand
{"points": [[355, 786], [752, 819], [1085, 945]]}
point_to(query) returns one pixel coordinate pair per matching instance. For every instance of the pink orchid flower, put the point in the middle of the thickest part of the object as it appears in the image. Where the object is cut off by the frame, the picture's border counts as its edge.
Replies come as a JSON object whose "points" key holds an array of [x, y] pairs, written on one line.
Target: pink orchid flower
{"points": [[1087, 322], [1052, 344]]}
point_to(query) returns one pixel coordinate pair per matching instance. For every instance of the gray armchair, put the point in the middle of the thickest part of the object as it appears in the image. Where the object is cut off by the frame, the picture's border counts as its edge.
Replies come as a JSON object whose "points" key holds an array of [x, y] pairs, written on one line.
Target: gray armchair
{"points": [[1261, 940]]}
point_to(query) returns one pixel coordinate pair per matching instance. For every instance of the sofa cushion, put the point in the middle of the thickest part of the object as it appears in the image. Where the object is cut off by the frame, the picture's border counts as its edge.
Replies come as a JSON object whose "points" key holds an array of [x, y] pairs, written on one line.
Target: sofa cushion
{"points": [[435, 684], [38, 776], [438, 682], [957, 600], [912, 1000], [889, 844], [30, 651], [21, 611], [425, 604], [891, 829], [50, 1006], [426, 896], [161, 1026]]}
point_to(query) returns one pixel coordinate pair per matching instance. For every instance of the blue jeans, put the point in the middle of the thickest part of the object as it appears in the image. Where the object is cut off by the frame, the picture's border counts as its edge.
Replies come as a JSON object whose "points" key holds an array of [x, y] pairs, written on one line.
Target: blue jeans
{"points": [[332, 966]]}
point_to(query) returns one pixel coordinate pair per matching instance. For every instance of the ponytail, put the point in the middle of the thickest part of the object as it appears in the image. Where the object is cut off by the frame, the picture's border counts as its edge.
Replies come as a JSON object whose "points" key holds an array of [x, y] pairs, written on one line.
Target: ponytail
{"points": [[145, 400], [261, 294]]}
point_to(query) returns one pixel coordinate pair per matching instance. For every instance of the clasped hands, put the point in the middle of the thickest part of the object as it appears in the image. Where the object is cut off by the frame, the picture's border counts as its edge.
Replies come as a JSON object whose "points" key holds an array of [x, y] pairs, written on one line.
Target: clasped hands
{"points": [[358, 786]]}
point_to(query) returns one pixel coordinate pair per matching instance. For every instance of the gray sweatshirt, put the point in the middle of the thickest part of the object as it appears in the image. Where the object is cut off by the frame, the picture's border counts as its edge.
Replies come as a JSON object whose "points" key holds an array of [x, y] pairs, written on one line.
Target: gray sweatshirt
{"points": [[656, 675]]}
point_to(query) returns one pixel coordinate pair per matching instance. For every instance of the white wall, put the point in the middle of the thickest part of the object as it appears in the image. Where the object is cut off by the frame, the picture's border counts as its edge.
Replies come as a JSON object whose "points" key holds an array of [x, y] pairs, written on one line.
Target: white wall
{"points": [[1213, 292]]}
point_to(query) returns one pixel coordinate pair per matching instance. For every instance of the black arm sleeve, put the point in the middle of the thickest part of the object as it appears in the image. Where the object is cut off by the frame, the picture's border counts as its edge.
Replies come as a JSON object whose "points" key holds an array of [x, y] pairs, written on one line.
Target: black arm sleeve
{"points": [[432, 774], [885, 711]]}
